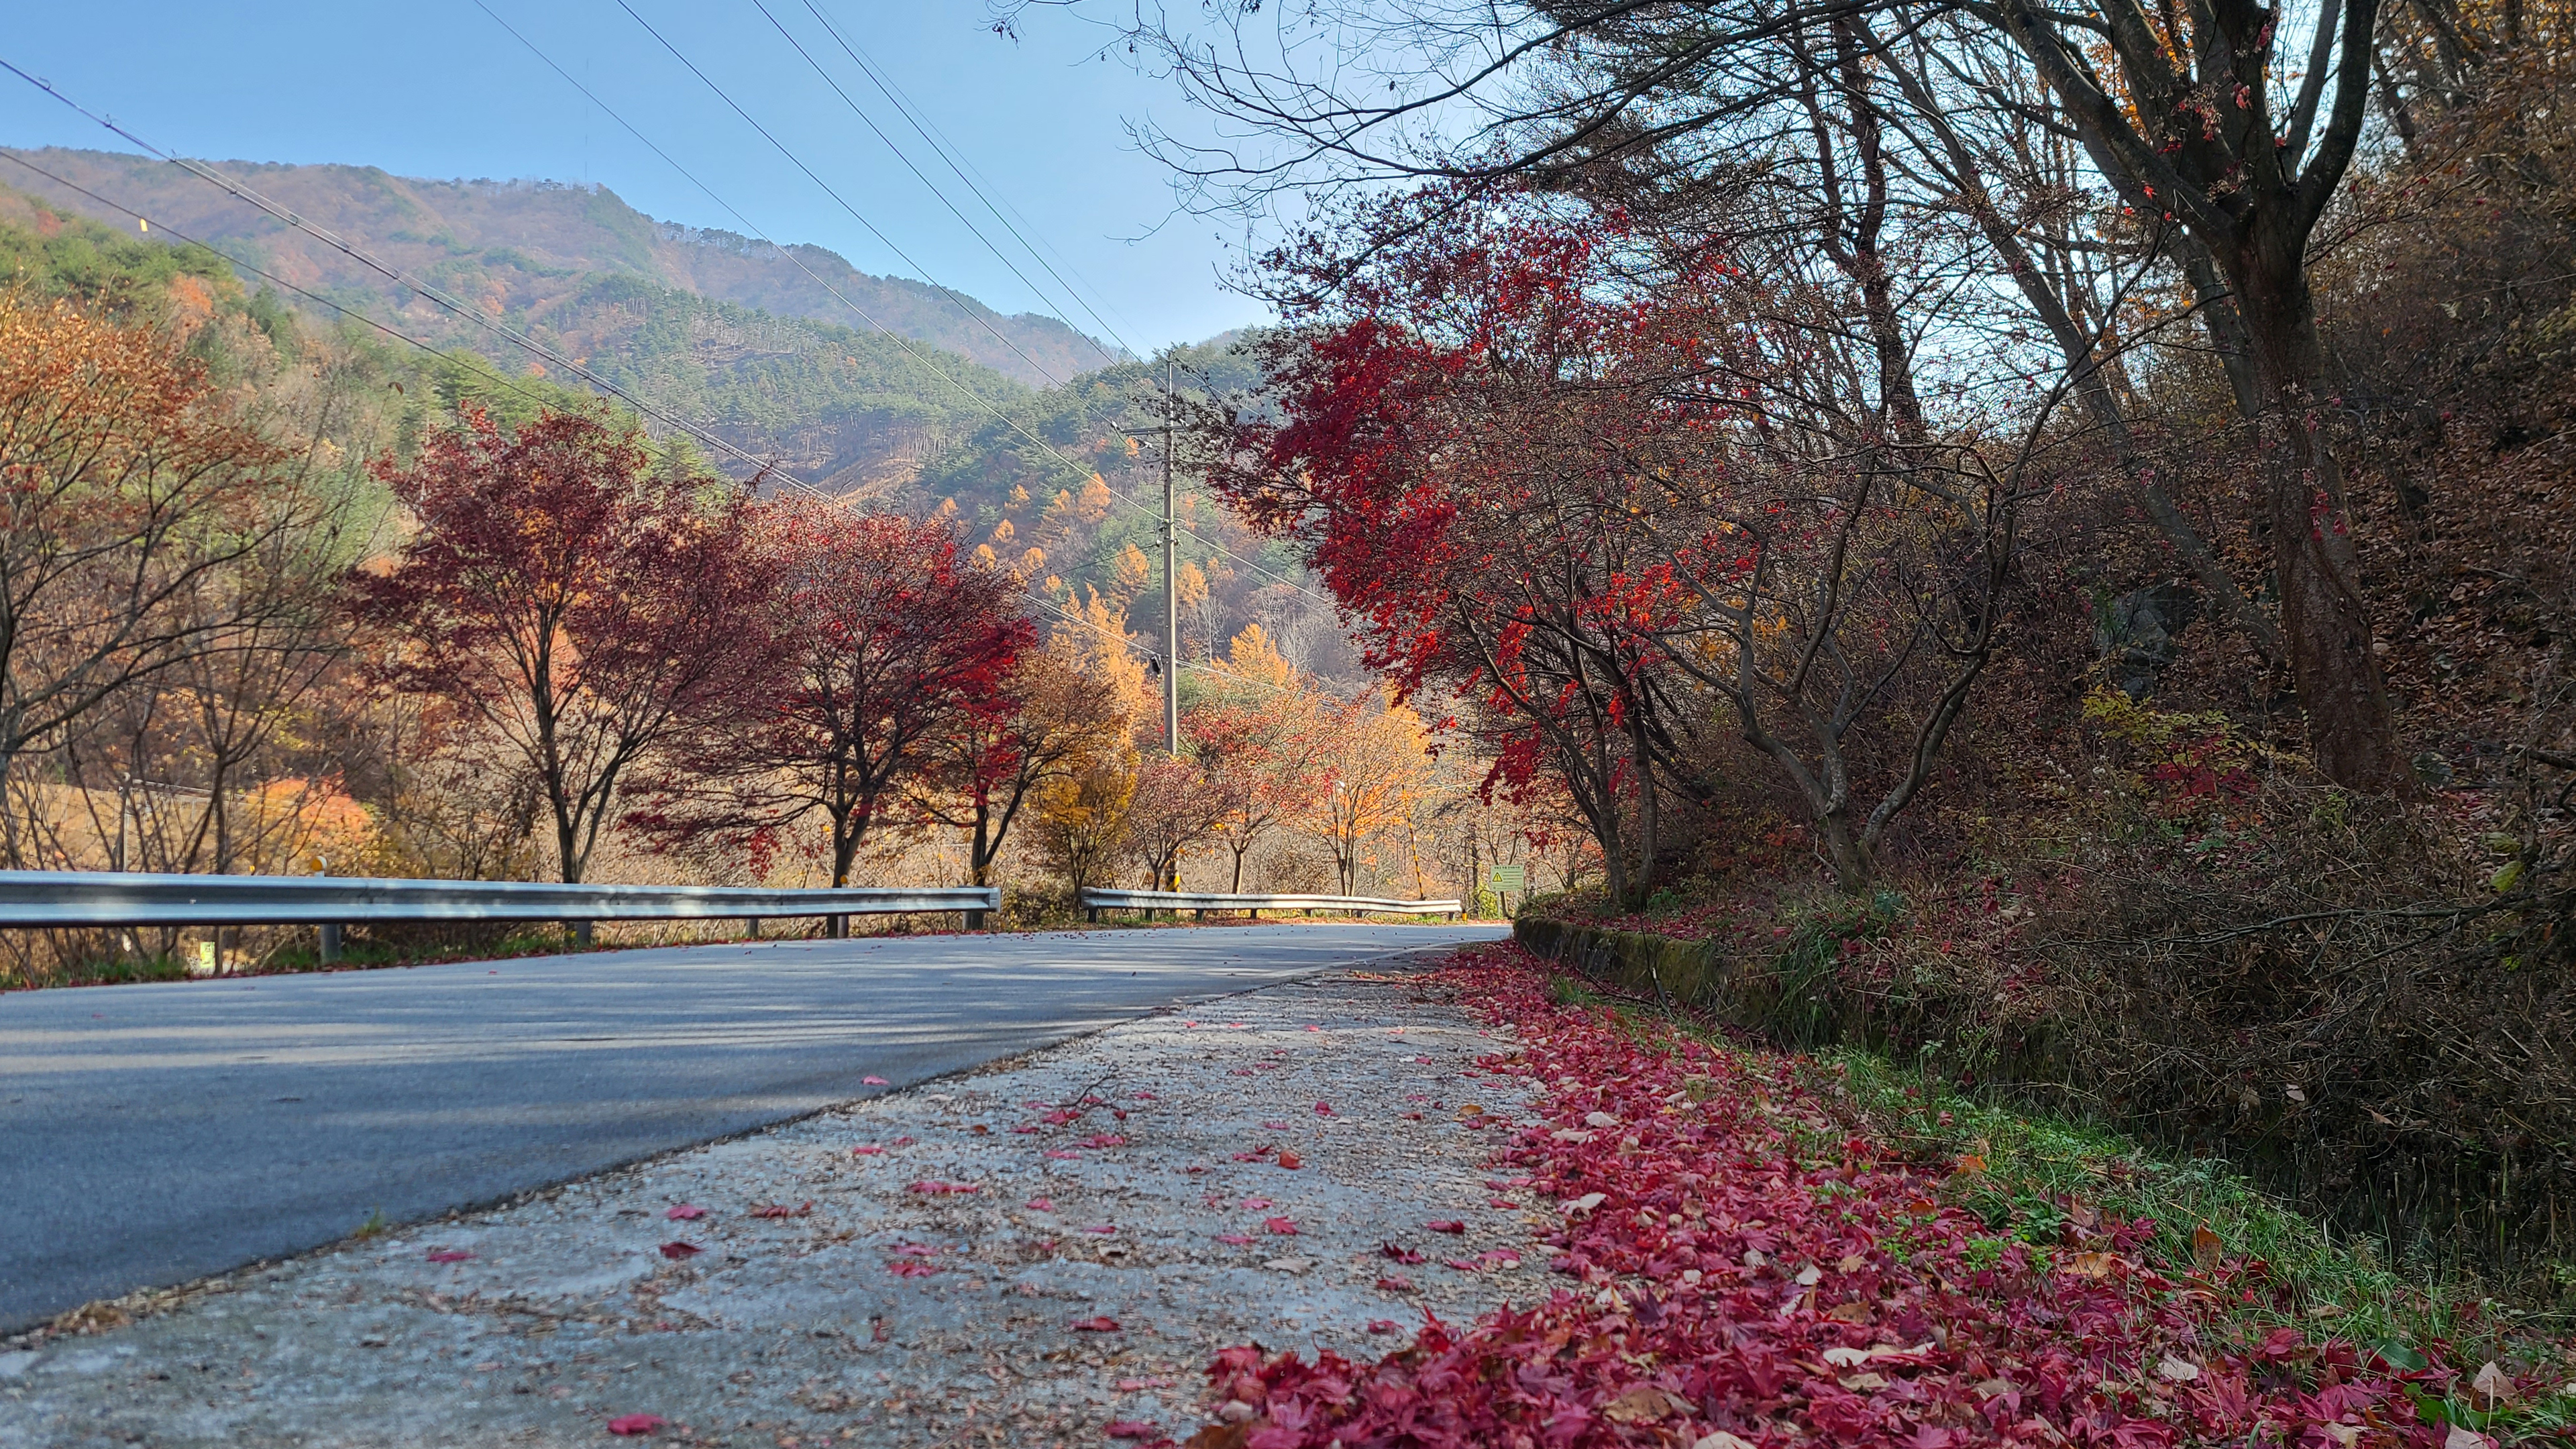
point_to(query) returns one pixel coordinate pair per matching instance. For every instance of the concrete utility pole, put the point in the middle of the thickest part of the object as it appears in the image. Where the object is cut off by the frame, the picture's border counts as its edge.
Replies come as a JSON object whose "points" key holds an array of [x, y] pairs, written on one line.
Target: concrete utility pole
{"points": [[1171, 579]]}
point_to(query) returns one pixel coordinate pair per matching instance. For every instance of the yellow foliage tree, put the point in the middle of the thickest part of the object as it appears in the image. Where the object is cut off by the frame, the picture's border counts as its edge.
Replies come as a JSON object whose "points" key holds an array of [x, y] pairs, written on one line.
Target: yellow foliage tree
{"points": [[1372, 765], [1082, 815], [1252, 657], [1128, 575], [1092, 635]]}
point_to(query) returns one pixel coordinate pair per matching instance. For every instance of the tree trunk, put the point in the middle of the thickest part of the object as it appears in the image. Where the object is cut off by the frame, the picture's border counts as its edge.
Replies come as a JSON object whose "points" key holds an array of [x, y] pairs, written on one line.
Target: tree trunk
{"points": [[567, 854], [1845, 852], [979, 855], [1643, 884], [2325, 621]]}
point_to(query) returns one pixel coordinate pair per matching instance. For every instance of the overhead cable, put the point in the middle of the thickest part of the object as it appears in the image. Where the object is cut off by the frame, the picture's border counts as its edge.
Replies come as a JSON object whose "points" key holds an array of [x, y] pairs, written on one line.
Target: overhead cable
{"points": [[900, 155], [946, 151], [1076, 468], [973, 312]]}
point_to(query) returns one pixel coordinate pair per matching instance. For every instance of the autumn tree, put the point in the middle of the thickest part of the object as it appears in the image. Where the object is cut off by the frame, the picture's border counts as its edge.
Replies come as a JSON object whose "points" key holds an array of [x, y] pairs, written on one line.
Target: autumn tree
{"points": [[586, 607], [887, 644], [989, 766], [1371, 762], [133, 496], [1083, 814], [1172, 810], [1252, 731], [2224, 133], [1609, 515]]}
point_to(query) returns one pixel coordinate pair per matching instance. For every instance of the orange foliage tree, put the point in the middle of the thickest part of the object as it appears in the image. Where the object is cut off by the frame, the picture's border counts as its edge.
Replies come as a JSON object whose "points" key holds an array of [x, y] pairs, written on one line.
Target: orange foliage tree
{"points": [[126, 489]]}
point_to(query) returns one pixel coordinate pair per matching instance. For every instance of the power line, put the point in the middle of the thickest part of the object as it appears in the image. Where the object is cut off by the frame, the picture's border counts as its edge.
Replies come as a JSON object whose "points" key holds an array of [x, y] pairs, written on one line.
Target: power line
{"points": [[959, 302], [965, 172], [1078, 469], [870, 123], [899, 154], [949, 152], [534, 348]]}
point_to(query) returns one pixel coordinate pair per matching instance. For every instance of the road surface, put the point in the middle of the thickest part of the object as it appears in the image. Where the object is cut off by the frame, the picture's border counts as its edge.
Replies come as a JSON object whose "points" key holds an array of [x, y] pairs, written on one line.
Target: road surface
{"points": [[154, 1134]]}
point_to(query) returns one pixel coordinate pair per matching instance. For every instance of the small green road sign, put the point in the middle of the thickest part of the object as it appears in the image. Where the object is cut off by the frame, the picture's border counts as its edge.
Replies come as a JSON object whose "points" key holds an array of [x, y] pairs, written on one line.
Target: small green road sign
{"points": [[1509, 879]]}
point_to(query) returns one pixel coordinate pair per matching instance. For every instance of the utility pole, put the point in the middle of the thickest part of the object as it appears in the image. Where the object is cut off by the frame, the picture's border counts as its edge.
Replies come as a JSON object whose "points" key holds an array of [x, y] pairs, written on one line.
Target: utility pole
{"points": [[1171, 579], [1168, 662]]}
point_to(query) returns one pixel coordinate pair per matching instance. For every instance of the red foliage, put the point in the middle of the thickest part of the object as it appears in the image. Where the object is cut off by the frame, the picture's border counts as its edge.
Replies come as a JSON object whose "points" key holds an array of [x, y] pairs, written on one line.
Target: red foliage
{"points": [[1737, 1271], [1460, 455], [1256, 764], [586, 608], [887, 640]]}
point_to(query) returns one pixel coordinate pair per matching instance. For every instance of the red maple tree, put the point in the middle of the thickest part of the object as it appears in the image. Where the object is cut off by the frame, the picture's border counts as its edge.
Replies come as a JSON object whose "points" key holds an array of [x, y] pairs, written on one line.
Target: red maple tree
{"points": [[986, 769], [1612, 490], [886, 640], [1255, 766], [584, 605]]}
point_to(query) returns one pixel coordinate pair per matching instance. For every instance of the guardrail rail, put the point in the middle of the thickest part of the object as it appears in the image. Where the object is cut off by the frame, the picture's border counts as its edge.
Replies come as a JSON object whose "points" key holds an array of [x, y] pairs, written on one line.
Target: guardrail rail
{"points": [[73, 898], [1096, 901]]}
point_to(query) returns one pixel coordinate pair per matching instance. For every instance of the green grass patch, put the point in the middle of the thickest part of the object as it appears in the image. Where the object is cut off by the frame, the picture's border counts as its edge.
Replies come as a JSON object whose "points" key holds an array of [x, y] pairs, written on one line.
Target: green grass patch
{"points": [[2034, 1170]]}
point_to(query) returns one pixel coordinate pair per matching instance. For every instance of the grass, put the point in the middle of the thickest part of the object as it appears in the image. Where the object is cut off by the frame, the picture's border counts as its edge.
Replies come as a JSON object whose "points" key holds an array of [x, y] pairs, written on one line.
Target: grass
{"points": [[2035, 1169], [2029, 1170]]}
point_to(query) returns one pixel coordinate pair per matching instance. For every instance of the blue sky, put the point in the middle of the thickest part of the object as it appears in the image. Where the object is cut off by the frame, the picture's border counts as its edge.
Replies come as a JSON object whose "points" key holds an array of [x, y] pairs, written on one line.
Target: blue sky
{"points": [[437, 89]]}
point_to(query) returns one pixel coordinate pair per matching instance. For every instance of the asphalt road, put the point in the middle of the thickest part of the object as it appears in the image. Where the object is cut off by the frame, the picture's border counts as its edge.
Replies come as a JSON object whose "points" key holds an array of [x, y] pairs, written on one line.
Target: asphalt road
{"points": [[150, 1135]]}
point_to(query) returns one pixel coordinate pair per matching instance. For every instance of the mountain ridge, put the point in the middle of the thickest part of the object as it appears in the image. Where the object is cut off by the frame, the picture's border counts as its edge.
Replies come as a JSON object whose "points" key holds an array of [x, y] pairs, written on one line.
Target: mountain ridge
{"points": [[517, 248]]}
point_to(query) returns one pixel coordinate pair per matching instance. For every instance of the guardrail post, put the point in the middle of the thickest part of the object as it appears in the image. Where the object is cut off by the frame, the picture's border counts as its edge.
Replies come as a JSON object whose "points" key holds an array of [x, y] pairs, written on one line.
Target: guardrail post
{"points": [[751, 927], [836, 928], [974, 920], [580, 932], [330, 948]]}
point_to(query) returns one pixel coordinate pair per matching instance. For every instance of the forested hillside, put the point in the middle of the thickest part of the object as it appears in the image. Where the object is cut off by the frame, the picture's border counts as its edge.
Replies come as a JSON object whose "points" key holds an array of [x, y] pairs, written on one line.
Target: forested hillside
{"points": [[524, 248], [727, 336]]}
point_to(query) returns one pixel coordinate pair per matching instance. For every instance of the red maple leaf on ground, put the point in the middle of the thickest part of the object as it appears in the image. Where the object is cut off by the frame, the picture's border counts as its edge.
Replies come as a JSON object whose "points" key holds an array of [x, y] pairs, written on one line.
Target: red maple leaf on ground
{"points": [[1735, 1284]]}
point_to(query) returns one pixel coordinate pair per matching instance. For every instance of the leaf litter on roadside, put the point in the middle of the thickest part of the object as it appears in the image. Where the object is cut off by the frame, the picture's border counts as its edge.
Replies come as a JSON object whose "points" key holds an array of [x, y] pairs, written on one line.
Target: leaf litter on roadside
{"points": [[1736, 1279]]}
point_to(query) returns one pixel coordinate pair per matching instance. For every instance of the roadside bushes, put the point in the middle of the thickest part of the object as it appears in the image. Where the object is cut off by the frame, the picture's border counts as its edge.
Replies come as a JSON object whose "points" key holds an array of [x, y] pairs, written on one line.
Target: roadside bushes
{"points": [[2403, 1061]]}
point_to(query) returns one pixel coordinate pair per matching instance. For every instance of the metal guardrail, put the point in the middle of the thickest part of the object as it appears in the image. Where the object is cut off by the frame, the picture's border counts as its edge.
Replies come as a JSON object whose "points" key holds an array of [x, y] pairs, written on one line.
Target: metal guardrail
{"points": [[1096, 901], [68, 898]]}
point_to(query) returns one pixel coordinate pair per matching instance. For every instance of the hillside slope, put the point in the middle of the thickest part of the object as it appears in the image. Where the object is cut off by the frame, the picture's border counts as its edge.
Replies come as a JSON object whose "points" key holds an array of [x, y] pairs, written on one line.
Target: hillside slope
{"points": [[1050, 481], [520, 247]]}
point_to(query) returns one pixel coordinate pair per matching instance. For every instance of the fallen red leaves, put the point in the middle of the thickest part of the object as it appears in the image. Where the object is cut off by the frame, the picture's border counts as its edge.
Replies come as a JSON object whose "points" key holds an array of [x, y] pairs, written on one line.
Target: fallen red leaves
{"points": [[1740, 1278]]}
